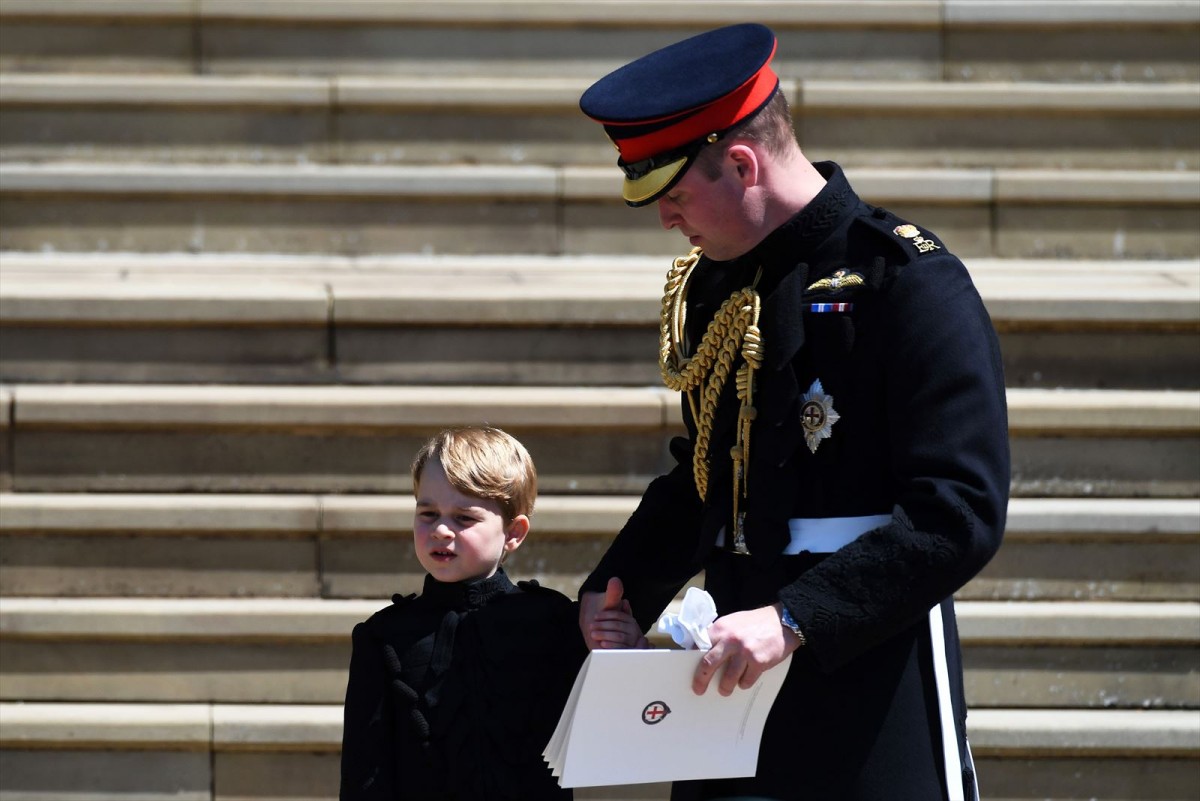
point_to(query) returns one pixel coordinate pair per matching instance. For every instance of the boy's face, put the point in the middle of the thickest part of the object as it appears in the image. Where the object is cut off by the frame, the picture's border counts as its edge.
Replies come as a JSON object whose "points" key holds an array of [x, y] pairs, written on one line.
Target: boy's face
{"points": [[460, 537]]}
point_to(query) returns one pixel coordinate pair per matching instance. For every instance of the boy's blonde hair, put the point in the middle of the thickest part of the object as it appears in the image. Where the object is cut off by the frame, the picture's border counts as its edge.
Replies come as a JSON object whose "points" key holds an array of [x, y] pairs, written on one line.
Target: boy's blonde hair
{"points": [[483, 462]]}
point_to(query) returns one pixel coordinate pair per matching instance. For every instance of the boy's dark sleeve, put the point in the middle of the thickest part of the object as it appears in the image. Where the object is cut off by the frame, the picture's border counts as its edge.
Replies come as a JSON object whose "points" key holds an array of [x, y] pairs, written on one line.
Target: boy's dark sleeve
{"points": [[514, 664], [568, 658], [368, 769], [556, 650], [559, 669]]}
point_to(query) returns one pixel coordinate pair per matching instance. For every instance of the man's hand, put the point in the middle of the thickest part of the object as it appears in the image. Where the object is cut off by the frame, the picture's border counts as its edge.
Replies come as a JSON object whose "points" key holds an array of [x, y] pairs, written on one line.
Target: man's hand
{"points": [[606, 619], [746, 644]]}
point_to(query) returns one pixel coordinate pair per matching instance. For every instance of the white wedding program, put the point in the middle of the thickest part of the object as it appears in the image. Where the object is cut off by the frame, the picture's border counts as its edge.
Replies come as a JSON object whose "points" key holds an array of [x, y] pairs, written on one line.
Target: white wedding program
{"points": [[632, 718]]}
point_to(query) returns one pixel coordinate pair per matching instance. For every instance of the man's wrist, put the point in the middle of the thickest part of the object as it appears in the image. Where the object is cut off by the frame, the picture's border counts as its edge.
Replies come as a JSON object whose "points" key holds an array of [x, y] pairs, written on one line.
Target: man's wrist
{"points": [[789, 622]]}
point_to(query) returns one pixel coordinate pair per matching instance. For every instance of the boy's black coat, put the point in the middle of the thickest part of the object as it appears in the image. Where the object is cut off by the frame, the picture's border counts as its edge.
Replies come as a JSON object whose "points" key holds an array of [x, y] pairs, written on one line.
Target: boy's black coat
{"points": [[453, 694]]}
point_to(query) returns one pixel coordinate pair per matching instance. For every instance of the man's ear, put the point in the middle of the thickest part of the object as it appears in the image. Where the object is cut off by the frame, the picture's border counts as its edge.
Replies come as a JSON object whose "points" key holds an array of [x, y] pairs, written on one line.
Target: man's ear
{"points": [[745, 162], [515, 533]]}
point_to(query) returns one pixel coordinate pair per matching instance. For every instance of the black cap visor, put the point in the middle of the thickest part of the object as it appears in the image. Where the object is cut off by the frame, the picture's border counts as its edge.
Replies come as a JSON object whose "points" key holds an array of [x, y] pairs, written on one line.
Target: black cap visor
{"points": [[649, 179]]}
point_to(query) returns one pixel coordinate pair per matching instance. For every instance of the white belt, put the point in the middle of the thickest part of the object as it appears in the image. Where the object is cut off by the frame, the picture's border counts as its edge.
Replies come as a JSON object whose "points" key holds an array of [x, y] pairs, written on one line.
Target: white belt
{"points": [[828, 534], [823, 534]]}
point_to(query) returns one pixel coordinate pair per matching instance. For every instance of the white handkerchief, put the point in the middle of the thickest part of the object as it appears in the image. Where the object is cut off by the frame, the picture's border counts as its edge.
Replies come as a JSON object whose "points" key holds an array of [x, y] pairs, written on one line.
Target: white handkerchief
{"points": [[689, 629]]}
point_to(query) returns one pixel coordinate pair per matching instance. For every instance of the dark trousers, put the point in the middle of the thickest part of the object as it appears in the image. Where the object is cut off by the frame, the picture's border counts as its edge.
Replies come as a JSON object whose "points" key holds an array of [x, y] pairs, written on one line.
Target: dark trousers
{"points": [[867, 731]]}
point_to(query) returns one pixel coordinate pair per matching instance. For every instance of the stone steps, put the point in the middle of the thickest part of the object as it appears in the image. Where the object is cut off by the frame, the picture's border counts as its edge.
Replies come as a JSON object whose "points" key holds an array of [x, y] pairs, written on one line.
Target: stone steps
{"points": [[197, 752], [170, 650], [286, 170], [503, 209], [967, 40], [501, 119], [180, 438], [513, 320], [345, 547]]}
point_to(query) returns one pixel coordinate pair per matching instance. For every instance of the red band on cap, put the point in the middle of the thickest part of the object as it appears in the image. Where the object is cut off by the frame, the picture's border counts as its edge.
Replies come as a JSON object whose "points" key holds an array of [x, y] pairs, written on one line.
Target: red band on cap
{"points": [[717, 116]]}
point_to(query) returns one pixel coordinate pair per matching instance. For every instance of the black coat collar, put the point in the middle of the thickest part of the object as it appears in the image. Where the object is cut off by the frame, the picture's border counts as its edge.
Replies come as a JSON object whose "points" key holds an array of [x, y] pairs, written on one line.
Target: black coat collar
{"points": [[463, 596]]}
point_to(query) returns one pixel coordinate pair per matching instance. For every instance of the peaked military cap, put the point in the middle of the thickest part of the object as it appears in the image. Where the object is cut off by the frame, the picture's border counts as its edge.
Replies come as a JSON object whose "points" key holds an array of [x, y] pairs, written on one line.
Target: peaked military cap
{"points": [[661, 109]]}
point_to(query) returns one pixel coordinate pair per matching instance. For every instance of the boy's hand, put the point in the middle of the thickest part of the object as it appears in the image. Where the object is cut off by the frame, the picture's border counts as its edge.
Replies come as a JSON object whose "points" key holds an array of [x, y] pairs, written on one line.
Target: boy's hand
{"points": [[606, 619]]}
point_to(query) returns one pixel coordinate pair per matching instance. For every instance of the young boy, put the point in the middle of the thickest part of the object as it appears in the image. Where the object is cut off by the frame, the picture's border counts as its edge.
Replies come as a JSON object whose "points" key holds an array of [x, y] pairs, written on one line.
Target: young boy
{"points": [[454, 694]]}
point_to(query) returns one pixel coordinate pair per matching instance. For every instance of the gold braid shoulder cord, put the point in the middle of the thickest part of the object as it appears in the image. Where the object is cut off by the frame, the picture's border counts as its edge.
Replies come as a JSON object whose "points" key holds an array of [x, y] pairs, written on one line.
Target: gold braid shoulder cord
{"points": [[734, 328]]}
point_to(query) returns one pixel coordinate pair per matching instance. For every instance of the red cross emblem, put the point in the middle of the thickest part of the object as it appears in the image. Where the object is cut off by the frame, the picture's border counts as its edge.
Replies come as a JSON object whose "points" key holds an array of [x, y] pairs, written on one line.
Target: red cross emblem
{"points": [[817, 415], [813, 415], [654, 712]]}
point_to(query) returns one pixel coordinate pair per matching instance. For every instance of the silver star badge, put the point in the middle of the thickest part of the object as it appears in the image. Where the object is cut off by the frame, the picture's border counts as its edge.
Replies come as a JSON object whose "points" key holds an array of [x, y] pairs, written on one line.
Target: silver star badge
{"points": [[817, 415]]}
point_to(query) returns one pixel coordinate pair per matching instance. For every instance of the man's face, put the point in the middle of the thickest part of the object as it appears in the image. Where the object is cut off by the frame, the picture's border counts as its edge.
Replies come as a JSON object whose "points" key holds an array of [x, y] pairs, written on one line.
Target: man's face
{"points": [[709, 213]]}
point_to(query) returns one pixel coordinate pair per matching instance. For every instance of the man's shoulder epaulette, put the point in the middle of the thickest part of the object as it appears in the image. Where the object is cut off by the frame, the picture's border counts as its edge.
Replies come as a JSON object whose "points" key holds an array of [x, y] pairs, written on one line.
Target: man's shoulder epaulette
{"points": [[903, 241]]}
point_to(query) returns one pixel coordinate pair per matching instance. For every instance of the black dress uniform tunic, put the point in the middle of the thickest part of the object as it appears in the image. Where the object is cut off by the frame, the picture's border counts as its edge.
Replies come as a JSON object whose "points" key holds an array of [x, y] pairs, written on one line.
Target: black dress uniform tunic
{"points": [[453, 694], [874, 319]]}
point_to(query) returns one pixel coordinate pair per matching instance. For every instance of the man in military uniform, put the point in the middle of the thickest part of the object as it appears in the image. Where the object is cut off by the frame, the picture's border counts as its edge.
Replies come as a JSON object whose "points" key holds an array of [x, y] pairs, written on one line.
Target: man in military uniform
{"points": [[846, 467]]}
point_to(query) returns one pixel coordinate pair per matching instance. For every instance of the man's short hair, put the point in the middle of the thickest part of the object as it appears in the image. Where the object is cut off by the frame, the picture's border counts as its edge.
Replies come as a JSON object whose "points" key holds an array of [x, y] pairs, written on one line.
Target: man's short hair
{"points": [[771, 128], [483, 462]]}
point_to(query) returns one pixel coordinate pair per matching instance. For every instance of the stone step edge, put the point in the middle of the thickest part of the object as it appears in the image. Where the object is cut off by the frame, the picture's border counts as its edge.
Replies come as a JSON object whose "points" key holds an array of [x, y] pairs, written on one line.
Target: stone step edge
{"points": [[1140, 520], [1012, 624], [935, 14], [1058, 297], [1013, 733], [246, 269], [938, 186], [1032, 412], [499, 93], [122, 265]]}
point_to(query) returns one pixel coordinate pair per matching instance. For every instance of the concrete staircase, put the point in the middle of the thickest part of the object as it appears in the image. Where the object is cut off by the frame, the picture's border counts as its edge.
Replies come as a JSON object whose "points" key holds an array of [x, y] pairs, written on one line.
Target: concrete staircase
{"points": [[252, 253]]}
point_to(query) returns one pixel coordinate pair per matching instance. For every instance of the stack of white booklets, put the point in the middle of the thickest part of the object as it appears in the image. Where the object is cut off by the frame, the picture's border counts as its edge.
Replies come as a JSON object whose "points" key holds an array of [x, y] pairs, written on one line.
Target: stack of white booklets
{"points": [[632, 718]]}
